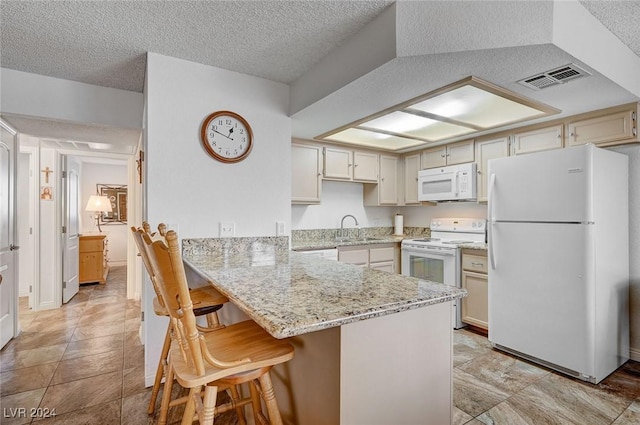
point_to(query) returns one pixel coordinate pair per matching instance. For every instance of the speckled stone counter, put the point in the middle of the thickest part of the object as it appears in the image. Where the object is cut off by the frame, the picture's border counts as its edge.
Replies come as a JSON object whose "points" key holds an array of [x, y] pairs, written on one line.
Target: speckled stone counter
{"points": [[352, 328], [289, 294], [482, 246], [304, 240]]}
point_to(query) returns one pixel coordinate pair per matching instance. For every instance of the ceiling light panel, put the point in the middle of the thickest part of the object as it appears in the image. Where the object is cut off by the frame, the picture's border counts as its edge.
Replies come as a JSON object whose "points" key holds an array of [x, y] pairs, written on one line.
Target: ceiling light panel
{"points": [[471, 105], [462, 108], [372, 139]]}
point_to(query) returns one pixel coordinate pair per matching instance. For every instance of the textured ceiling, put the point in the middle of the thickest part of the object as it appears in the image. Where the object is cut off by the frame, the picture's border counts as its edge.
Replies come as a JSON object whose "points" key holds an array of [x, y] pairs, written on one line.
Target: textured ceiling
{"points": [[104, 43]]}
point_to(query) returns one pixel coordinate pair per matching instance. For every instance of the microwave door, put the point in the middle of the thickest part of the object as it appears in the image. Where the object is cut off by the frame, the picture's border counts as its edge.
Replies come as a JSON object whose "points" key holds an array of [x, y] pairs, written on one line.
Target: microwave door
{"points": [[438, 187]]}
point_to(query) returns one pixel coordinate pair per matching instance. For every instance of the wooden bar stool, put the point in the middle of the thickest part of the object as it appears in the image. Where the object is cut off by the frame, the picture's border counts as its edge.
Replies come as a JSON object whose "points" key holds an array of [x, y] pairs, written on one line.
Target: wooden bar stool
{"points": [[236, 354], [207, 301]]}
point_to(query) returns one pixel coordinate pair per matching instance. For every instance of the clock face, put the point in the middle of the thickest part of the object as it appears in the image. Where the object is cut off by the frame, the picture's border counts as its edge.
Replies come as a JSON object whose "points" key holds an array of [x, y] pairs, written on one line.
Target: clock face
{"points": [[227, 136]]}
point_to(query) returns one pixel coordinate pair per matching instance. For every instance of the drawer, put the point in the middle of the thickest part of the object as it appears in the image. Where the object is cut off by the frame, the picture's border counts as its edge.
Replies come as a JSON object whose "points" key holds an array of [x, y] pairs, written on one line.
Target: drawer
{"points": [[381, 254], [474, 263], [354, 256], [91, 245]]}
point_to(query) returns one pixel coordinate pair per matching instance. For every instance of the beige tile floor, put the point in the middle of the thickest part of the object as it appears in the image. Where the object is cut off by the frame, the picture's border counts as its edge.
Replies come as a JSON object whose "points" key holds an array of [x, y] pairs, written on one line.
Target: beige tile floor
{"points": [[85, 360]]}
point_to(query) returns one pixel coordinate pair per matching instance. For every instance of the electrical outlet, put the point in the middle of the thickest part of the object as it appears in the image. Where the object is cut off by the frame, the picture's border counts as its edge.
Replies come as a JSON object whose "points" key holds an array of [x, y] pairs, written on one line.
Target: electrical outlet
{"points": [[279, 228], [227, 229]]}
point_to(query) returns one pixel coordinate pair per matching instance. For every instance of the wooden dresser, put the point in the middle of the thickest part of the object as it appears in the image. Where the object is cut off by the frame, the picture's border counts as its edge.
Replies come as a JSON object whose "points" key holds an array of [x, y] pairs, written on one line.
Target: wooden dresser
{"points": [[94, 266]]}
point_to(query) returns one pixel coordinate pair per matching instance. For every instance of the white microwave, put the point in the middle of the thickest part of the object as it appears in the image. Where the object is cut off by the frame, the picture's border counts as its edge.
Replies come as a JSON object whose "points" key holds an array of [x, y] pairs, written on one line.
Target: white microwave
{"points": [[451, 183]]}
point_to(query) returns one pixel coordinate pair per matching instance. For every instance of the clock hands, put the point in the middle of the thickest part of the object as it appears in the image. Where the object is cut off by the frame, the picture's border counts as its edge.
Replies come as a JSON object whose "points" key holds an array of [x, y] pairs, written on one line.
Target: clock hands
{"points": [[230, 131]]}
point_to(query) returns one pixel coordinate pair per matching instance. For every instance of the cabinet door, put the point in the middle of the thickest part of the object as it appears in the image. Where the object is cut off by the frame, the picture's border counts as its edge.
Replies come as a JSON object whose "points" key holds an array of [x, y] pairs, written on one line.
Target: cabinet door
{"points": [[365, 166], [411, 167], [306, 178], [358, 257], [486, 150], [460, 153], [538, 140], [602, 130], [388, 185], [434, 157], [382, 254], [338, 164], [475, 310]]}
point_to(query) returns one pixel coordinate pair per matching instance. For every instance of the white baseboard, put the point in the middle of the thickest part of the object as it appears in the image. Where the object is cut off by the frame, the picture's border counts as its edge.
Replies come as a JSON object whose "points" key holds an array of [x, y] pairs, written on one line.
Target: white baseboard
{"points": [[634, 354], [117, 263]]}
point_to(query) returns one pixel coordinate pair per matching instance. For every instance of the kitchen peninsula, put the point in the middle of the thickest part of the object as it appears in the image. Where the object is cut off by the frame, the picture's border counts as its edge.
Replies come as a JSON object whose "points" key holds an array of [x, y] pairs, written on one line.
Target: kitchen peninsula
{"points": [[371, 347]]}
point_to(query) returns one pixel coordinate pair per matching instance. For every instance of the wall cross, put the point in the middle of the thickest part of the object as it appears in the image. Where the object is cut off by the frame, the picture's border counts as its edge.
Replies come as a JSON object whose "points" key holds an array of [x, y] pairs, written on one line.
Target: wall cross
{"points": [[46, 172]]}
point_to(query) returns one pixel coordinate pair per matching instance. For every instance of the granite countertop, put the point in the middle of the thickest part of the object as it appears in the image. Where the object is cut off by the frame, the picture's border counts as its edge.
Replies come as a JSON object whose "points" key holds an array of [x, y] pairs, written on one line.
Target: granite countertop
{"points": [[289, 293], [308, 245], [475, 245]]}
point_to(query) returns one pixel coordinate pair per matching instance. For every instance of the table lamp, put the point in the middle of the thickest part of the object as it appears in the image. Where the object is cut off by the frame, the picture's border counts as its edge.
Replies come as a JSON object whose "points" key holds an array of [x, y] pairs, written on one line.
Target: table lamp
{"points": [[99, 205]]}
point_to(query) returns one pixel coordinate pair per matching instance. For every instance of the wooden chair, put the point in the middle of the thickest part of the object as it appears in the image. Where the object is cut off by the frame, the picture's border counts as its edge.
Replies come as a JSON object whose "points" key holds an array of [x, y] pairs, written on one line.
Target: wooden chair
{"points": [[207, 301], [237, 354]]}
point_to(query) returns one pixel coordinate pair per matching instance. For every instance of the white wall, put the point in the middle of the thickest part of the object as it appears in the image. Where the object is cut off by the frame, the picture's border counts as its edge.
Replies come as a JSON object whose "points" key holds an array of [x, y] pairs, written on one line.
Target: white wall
{"points": [[340, 198], [117, 234], [189, 190], [39, 96], [633, 151], [187, 187]]}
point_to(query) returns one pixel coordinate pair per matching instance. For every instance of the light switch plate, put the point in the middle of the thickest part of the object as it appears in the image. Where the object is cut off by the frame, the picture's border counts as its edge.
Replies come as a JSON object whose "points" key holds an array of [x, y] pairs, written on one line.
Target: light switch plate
{"points": [[227, 229], [279, 228]]}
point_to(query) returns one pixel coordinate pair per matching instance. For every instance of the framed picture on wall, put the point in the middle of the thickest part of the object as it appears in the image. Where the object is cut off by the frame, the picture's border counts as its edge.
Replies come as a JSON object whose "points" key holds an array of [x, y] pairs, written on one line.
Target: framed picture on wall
{"points": [[117, 195]]}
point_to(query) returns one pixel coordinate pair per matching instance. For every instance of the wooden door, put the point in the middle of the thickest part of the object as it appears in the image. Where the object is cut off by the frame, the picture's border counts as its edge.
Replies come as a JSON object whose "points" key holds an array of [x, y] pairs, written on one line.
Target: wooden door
{"points": [[306, 182], [388, 180], [411, 167], [338, 164], [365, 166]]}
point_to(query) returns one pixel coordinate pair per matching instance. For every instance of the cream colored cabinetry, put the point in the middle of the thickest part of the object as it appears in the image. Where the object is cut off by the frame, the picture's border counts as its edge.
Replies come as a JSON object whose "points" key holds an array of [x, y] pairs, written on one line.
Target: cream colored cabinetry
{"points": [[93, 259], [475, 306], [411, 167], [306, 181], [379, 256], [486, 150], [365, 166], [451, 154], [541, 139], [386, 191], [343, 164], [604, 130]]}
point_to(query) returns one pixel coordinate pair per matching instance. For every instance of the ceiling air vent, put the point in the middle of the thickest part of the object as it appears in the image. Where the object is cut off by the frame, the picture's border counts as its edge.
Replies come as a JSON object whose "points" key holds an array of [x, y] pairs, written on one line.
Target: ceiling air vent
{"points": [[554, 77]]}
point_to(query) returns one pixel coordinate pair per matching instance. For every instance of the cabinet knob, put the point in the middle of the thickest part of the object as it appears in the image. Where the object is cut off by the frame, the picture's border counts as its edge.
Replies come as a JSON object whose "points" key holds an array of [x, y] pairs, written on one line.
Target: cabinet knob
{"points": [[479, 172], [355, 165]]}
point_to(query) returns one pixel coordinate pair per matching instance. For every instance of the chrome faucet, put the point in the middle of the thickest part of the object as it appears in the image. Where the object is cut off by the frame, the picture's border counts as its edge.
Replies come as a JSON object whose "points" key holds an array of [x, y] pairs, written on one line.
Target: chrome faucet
{"points": [[342, 224]]}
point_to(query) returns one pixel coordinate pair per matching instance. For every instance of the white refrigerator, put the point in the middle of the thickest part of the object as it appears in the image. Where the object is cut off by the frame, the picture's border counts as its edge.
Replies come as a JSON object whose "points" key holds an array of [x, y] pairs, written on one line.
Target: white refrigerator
{"points": [[559, 259]]}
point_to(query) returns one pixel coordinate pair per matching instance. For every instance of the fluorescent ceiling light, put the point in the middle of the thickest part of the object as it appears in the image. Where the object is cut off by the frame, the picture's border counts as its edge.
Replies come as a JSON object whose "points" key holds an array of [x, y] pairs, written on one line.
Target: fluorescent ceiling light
{"points": [[462, 108]]}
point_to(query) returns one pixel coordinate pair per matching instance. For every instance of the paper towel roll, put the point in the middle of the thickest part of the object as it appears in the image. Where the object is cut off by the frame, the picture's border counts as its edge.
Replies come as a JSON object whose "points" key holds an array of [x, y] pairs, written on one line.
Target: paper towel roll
{"points": [[399, 229]]}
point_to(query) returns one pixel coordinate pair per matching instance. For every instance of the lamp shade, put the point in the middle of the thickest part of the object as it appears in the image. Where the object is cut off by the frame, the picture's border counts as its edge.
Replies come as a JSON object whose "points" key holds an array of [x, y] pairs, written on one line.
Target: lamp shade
{"points": [[98, 203]]}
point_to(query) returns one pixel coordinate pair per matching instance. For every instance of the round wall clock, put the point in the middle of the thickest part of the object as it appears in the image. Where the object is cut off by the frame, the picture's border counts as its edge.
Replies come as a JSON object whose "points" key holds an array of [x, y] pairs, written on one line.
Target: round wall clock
{"points": [[226, 136]]}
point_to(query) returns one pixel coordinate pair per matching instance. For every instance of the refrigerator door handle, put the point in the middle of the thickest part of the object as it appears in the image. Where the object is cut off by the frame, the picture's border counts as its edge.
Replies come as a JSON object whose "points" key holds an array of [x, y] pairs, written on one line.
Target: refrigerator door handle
{"points": [[492, 257]]}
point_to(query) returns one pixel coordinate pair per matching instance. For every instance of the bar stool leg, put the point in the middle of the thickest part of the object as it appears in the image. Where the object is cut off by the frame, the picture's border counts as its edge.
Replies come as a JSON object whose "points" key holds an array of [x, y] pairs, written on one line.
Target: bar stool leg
{"points": [[160, 371]]}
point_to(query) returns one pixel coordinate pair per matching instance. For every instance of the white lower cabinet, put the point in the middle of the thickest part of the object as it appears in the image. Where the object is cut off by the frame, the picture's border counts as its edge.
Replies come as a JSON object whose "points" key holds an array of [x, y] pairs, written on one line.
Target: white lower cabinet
{"points": [[475, 306], [375, 256]]}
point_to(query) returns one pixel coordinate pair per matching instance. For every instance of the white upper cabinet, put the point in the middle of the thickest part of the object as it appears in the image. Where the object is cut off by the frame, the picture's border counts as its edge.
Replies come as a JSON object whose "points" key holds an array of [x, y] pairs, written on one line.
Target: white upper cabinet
{"points": [[604, 130], [486, 150], [306, 174], [451, 154], [411, 167], [365, 166], [386, 191], [344, 164], [338, 164], [541, 139]]}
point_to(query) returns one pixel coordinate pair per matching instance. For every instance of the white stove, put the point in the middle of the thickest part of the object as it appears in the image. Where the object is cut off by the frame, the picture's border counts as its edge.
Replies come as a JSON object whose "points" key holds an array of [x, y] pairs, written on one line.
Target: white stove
{"points": [[438, 258]]}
